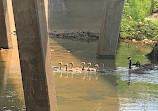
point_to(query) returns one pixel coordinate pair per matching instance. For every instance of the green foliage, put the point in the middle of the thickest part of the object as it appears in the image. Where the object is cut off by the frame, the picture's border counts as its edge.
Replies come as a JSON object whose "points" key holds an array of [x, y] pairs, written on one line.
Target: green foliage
{"points": [[155, 3], [134, 21], [133, 50], [137, 9]]}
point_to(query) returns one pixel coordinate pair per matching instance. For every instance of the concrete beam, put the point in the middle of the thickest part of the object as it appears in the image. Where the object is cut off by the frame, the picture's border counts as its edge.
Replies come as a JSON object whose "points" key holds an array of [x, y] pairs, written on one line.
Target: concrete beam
{"points": [[5, 33], [46, 9], [11, 17], [109, 33], [38, 83]]}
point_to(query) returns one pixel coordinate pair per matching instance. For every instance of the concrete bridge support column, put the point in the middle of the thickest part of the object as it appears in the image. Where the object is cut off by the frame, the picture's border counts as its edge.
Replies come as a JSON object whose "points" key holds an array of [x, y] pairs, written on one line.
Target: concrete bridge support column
{"points": [[5, 33], [109, 33], [46, 9], [33, 45]]}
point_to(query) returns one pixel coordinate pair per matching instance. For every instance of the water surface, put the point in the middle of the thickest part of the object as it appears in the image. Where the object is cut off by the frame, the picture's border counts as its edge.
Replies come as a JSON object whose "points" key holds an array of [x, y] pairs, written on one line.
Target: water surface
{"points": [[11, 92], [118, 91], [76, 15], [100, 92]]}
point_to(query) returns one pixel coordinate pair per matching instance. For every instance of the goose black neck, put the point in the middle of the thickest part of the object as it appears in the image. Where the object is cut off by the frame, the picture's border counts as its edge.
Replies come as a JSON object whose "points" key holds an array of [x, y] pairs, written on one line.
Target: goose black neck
{"points": [[130, 64], [66, 68], [60, 66], [82, 67]]}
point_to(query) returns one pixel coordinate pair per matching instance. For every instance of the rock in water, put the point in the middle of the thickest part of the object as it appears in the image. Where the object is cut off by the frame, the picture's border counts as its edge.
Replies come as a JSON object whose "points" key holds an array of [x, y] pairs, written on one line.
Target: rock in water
{"points": [[153, 55]]}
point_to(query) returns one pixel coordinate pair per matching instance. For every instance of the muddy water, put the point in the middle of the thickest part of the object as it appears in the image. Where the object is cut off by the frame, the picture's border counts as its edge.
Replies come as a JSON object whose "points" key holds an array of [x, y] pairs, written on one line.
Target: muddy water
{"points": [[75, 15], [11, 93], [103, 92], [86, 91]]}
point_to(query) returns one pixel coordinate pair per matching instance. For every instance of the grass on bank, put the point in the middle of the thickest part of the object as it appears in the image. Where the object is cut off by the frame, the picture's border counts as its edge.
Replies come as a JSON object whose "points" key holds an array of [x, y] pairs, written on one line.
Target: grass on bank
{"points": [[137, 22]]}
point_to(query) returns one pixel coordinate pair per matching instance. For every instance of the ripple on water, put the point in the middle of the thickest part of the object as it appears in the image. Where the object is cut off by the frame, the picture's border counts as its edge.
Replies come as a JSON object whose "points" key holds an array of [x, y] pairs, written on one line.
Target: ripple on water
{"points": [[129, 104], [141, 94], [149, 77]]}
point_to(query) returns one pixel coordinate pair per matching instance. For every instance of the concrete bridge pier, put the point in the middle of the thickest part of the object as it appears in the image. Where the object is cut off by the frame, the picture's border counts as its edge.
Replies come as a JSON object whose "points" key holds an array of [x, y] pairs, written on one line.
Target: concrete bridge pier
{"points": [[34, 53], [109, 32], [5, 33]]}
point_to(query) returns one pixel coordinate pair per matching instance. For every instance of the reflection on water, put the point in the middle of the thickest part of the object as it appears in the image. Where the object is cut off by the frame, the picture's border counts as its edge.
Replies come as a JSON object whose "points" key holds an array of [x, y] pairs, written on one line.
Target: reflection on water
{"points": [[86, 91], [100, 92], [141, 93], [74, 51], [11, 93], [76, 15]]}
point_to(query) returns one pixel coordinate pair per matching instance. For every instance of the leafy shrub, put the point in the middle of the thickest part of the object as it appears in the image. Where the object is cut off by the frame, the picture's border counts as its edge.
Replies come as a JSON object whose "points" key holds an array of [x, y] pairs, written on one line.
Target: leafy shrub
{"points": [[134, 25]]}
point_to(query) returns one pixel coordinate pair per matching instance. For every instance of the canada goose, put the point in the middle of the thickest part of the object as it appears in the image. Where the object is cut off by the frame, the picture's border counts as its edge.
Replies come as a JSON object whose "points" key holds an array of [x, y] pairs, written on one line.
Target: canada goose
{"points": [[140, 69], [75, 69], [66, 71], [137, 64], [83, 66], [84, 70], [92, 69], [130, 62], [57, 68], [66, 67], [71, 70], [72, 65], [103, 70]]}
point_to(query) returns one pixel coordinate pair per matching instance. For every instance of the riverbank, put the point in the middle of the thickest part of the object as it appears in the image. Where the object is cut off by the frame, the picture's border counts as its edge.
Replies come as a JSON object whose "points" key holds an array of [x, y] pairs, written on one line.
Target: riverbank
{"points": [[88, 36], [76, 35]]}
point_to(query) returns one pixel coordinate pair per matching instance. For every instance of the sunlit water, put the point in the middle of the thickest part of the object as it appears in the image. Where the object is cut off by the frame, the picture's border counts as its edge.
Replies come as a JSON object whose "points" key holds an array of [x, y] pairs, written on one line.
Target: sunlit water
{"points": [[104, 92], [11, 92], [116, 91]]}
